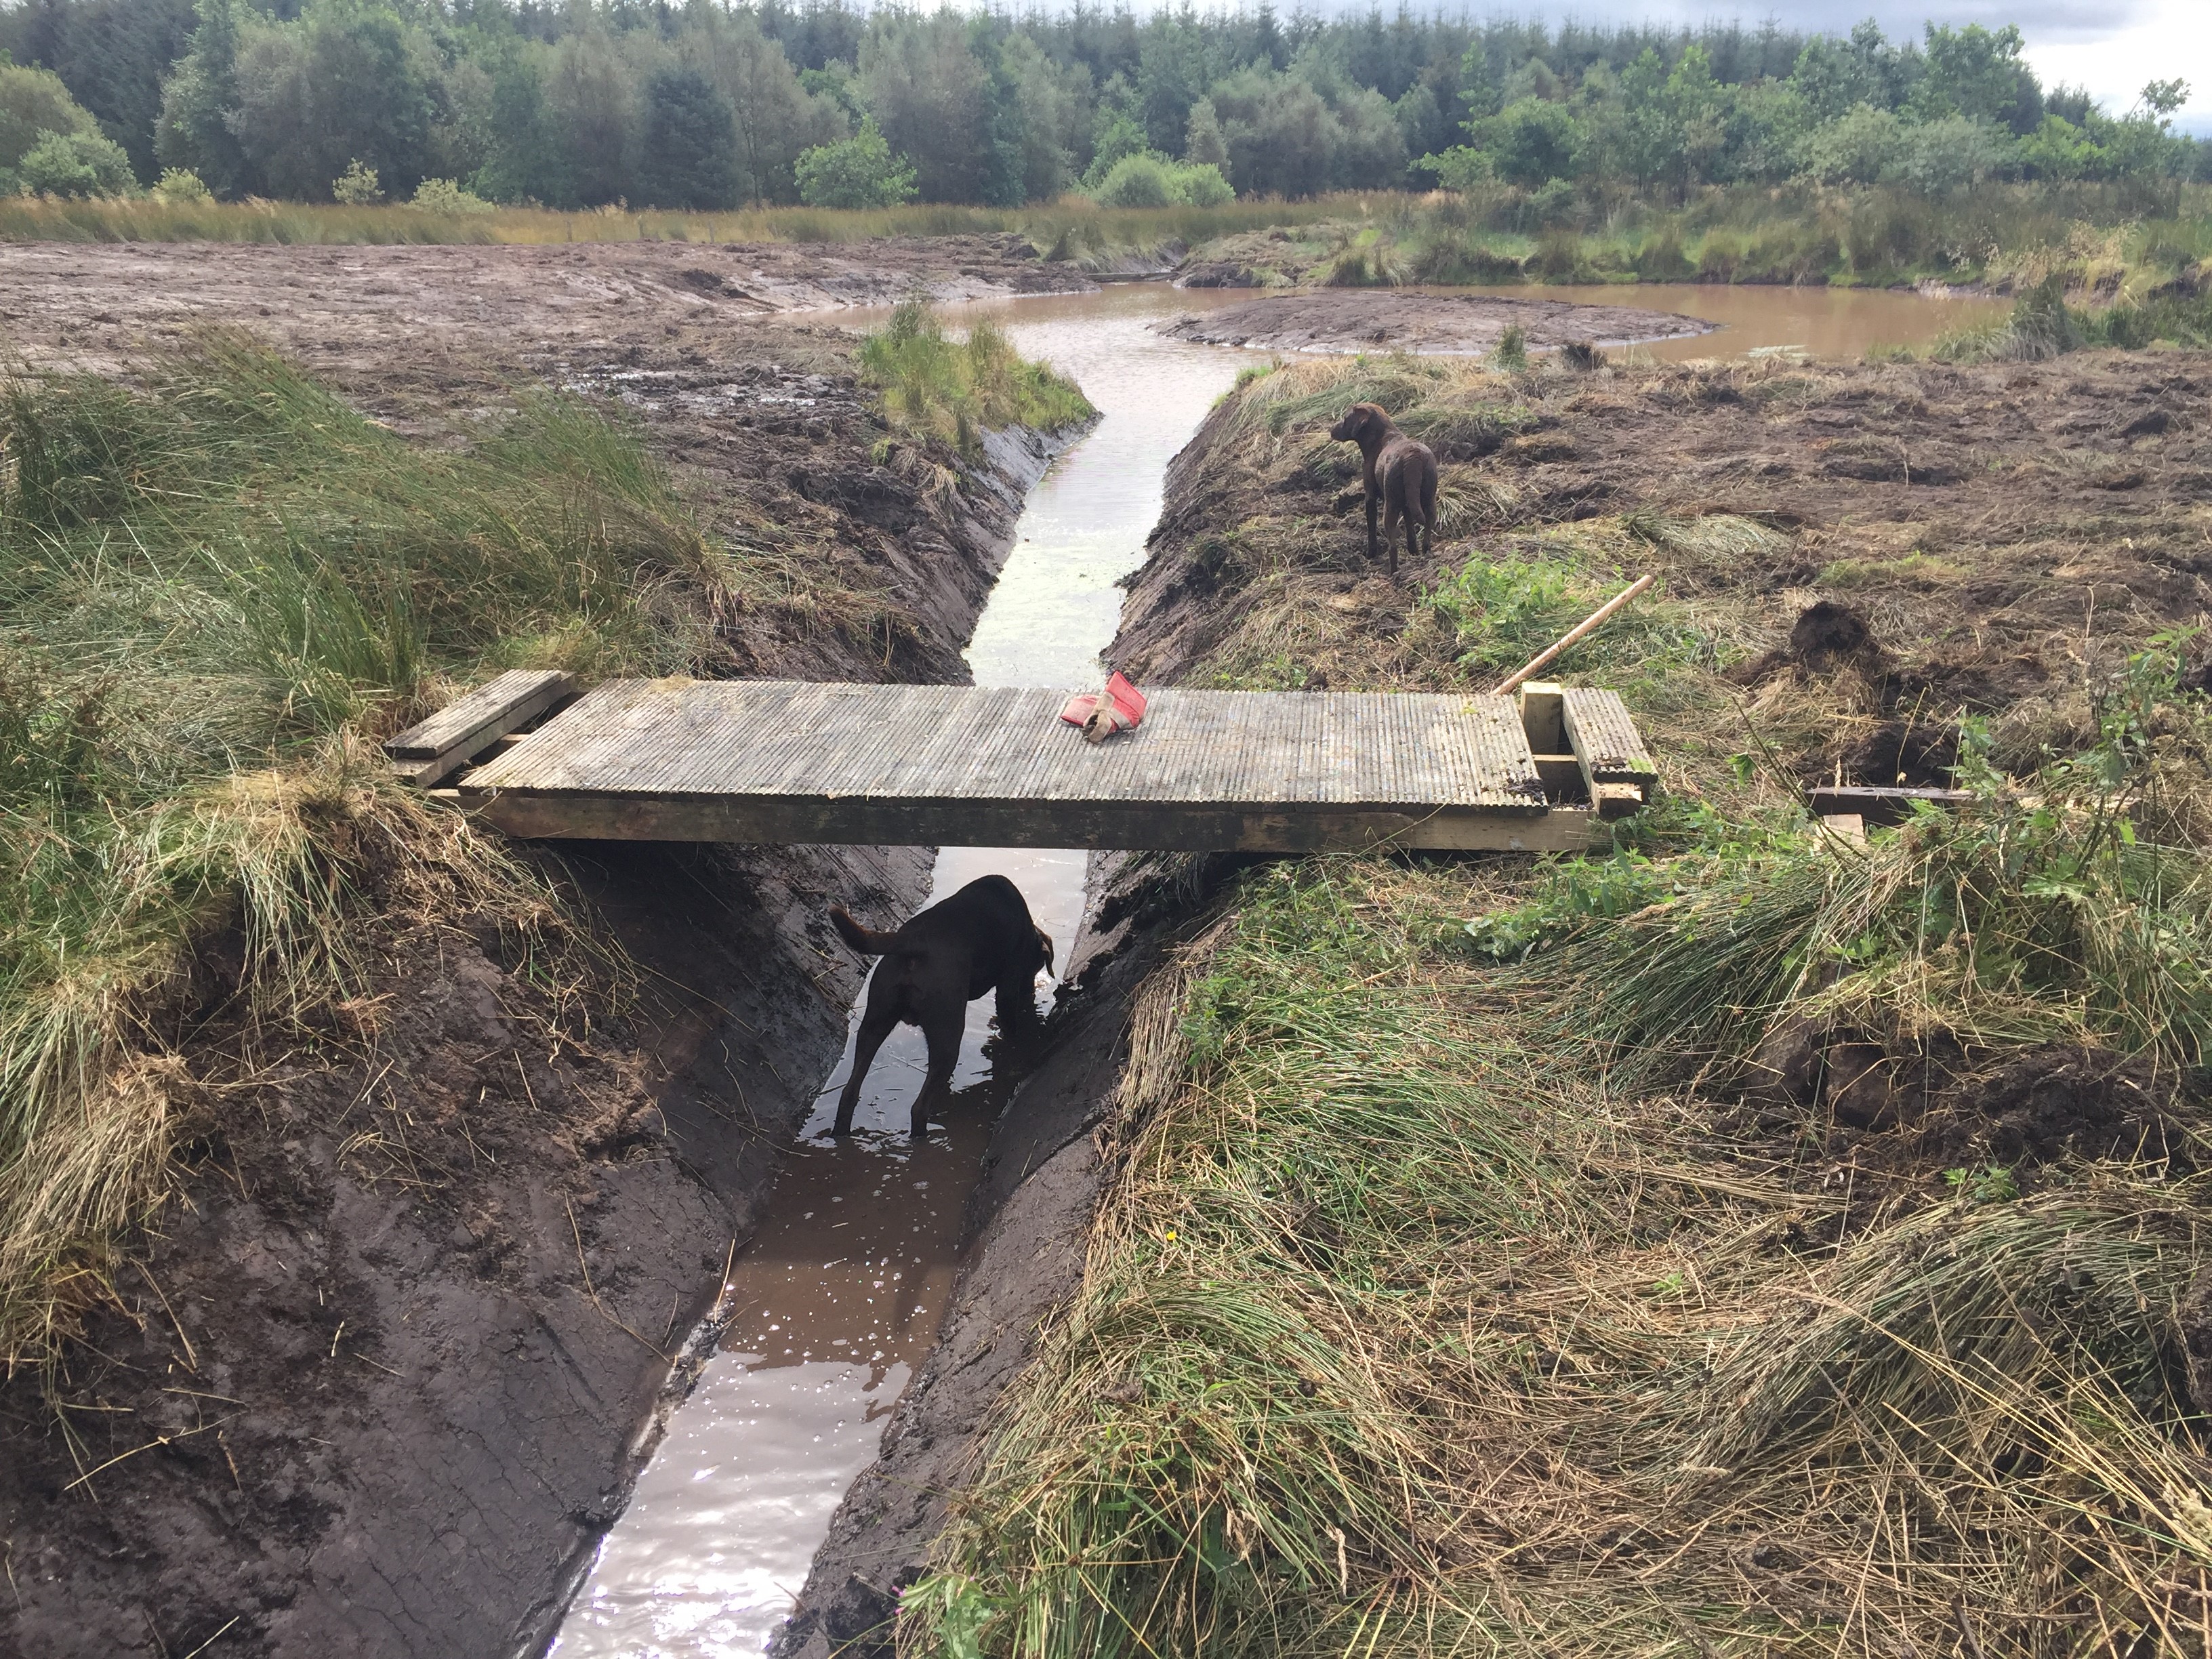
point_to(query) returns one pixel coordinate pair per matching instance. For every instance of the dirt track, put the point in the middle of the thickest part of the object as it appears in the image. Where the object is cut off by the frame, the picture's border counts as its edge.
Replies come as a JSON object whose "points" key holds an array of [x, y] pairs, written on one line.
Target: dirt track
{"points": [[1367, 319]]}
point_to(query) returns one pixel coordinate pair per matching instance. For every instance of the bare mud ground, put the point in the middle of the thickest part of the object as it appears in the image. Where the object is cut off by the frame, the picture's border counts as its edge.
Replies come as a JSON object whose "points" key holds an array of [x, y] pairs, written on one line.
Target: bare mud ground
{"points": [[1987, 526], [380, 1383], [377, 307], [1368, 320]]}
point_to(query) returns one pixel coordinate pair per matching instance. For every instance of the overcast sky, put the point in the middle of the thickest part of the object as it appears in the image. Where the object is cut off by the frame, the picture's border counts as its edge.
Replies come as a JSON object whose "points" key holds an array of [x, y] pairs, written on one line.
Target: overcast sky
{"points": [[2110, 47]]}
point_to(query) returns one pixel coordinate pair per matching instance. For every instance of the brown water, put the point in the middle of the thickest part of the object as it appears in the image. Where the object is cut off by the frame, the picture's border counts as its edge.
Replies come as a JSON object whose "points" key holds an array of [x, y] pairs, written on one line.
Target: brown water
{"points": [[1836, 324], [839, 1295]]}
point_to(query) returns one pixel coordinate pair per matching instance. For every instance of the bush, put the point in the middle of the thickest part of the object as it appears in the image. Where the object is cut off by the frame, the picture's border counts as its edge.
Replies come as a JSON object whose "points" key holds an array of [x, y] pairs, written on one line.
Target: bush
{"points": [[180, 186], [357, 186], [1149, 180], [77, 164], [1142, 180], [1200, 184], [34, 103], [444, 196], [859, 172]]}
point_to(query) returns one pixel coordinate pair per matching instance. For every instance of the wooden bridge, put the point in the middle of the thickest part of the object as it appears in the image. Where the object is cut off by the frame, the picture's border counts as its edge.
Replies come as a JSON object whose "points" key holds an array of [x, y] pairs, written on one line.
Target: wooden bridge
{"points": [[769, 761]]}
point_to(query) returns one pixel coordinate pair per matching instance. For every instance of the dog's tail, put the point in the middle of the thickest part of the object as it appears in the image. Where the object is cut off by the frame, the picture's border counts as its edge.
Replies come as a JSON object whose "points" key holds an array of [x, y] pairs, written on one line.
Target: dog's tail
{"points": [[866, 940]]}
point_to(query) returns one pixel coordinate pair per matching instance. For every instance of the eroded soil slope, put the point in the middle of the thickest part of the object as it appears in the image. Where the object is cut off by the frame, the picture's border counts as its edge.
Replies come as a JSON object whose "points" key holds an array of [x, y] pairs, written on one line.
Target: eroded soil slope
{"points": [[377, 1382]]}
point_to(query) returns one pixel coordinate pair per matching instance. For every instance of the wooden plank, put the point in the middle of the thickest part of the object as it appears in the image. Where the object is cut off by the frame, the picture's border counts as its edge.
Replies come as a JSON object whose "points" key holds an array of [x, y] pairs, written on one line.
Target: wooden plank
{"points": [[1878, 805], [1407, 752], [1617, 800], [424, 754], [1605, 738], [964, 821], [1845, 826], [1563, 779], [1543, 718]]}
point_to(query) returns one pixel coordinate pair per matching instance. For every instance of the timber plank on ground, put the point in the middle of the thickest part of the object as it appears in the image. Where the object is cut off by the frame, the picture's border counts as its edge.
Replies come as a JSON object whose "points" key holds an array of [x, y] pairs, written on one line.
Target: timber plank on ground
{"points": [[768, 761], [465, 728]]}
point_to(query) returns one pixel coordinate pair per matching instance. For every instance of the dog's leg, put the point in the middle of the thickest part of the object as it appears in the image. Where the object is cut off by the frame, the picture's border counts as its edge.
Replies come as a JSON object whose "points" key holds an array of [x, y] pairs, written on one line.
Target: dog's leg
{"points": [[1390, 507], [942, 1030], [1374, 543], [875, 1026]]}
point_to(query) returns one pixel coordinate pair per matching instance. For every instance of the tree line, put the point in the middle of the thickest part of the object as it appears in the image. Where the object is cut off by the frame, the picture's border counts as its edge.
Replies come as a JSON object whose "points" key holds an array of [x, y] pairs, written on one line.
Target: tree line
{"points": [[580, 103]]}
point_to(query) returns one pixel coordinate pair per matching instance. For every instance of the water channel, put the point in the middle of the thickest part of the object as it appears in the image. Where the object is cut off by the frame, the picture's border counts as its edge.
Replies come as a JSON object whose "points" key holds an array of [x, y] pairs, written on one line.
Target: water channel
{"points": [[839, 1295]]}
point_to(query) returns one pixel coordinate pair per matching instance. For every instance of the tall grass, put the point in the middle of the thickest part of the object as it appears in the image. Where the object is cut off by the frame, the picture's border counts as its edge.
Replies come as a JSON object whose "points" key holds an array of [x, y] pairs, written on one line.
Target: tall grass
{"points": [[2008, 236], [1430, 1313], [217, 591], [955, 390], [2043, 324], [1072, 227], [1402, 1332]]}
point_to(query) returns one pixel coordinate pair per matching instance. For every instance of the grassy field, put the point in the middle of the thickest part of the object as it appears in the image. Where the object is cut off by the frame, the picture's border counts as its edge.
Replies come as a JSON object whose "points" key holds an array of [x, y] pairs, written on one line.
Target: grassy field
{"points": [[1425, 1318]]}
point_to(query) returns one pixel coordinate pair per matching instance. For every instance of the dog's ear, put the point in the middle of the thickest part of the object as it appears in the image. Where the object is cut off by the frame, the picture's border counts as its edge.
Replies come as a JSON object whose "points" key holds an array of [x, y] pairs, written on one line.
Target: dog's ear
{"points": [[1045, 939]]}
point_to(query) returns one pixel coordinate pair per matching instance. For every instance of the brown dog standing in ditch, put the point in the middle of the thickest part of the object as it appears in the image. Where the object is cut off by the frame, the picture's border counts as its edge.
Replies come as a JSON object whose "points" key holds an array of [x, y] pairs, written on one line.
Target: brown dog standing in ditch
{"points": [[979, 939], [1400, 475]]}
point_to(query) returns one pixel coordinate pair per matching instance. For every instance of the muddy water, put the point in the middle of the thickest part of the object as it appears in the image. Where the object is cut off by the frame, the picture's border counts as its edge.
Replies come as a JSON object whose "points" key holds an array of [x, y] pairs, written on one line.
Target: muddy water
{"points": [[1833, 323], [839, 1295]]}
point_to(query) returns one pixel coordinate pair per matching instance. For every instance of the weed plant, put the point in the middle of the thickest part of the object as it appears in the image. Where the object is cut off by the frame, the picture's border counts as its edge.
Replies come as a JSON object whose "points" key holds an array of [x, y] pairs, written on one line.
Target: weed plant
{"points": [[1417, 1322], [217, 591], [953, 390]]}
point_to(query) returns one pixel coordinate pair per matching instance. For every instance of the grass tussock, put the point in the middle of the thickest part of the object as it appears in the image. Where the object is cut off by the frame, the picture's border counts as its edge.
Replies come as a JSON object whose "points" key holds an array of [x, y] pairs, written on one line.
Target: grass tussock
{"points": [[217, 589], [954, 390], [1437, 1309], [2043, 324]]}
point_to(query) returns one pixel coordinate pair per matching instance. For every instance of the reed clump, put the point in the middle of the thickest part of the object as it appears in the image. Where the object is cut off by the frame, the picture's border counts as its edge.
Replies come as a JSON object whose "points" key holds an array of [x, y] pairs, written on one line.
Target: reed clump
{"points": [[954, 390], [1445, 1306]]}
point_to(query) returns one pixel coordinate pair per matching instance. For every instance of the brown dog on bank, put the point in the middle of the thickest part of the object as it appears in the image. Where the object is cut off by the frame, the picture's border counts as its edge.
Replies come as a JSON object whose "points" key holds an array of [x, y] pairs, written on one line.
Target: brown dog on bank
{"points": [[979, 939], [1399, 473]]}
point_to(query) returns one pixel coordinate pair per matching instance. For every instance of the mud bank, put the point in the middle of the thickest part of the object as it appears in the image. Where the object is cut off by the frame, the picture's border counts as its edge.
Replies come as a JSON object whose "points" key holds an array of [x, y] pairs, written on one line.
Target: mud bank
{"points": [[97, 303], [394, 1351], [1355, 319]]}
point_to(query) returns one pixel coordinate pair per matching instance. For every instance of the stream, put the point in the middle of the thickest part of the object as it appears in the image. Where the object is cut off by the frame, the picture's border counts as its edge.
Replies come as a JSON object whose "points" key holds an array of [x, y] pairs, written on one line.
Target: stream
{"points": [[838, 1297]]}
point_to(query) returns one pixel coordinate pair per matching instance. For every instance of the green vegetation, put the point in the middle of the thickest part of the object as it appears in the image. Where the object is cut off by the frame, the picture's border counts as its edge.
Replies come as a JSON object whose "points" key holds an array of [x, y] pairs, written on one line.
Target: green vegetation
{"points": [[2043, 324], [954, 390], [1147, 180], [1438, 1309], [706, 107], [859, 172], [2007, 236], [214, 594]]}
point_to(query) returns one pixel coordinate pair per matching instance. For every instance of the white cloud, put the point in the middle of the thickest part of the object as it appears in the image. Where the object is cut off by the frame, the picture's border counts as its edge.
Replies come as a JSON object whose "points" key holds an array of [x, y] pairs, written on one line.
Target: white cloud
{"points": [[2157, 41]]}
